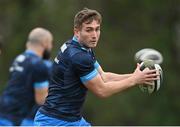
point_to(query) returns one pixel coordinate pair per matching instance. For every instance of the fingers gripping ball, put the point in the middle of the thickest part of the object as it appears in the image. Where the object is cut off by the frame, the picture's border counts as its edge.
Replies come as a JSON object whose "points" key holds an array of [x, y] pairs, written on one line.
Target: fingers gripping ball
{"points": [[155, 85]]}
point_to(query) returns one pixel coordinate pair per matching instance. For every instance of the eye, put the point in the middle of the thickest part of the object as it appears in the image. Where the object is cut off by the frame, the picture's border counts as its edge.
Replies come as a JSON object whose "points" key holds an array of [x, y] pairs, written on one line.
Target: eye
{"points": [[98, 29], [88, 30]]}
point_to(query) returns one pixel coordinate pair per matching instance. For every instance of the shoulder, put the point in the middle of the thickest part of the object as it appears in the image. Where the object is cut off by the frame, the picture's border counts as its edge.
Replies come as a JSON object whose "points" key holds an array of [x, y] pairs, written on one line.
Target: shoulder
{"points": [[82, 57], [75, 51], [38, 65], [31, 58]]}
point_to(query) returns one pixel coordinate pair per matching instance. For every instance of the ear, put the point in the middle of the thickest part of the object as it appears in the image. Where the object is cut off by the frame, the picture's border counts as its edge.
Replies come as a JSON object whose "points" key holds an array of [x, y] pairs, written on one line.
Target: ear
{"points": [[76, 32]]}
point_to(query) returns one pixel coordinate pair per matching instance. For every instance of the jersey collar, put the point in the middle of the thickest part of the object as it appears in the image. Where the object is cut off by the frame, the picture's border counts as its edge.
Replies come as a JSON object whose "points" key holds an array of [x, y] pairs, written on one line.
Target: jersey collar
{"points": [[31, 52]]}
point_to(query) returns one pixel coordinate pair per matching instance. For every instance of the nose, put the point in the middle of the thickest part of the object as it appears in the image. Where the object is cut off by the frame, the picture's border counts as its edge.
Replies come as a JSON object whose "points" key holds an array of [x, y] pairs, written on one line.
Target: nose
{"points": [[94, 34]]}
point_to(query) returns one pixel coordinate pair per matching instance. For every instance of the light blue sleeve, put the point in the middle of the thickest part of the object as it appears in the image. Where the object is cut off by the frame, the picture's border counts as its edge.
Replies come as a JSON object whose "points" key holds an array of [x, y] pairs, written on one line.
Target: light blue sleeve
{"points": [[96, 65], [92, 74], [89, 76], [40, 85]]}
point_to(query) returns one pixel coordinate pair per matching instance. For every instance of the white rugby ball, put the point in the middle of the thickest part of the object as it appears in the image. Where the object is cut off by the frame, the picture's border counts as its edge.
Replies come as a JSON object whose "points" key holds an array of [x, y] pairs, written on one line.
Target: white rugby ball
{"points": [[148, 54], [155, 85]]}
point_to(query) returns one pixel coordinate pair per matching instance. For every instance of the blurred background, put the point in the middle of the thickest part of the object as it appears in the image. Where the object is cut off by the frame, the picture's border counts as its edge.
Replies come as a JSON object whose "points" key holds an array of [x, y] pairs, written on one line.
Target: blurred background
{"points": [[128, 26]]}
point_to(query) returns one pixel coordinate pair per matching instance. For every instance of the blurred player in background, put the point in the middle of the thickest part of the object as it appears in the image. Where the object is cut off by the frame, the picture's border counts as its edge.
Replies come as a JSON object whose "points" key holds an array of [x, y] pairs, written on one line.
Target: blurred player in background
{"points": [[29, 119], [76, 70], [28, 81]]}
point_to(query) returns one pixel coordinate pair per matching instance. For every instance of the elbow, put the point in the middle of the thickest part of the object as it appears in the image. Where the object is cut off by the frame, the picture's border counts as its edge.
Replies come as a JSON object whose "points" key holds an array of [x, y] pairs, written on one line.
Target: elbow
{"points": [[104, 77], [102, 94]]}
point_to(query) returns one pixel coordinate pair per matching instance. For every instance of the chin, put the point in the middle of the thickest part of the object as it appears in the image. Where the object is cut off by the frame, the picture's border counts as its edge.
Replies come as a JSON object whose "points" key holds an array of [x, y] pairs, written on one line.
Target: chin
{"points": [[92, 46]]}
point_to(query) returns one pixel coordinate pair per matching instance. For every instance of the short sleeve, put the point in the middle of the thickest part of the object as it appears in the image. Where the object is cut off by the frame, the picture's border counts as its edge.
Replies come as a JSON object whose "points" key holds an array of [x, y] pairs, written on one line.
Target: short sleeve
{"points": [[84, 67], [40, 75], [96, 65]]}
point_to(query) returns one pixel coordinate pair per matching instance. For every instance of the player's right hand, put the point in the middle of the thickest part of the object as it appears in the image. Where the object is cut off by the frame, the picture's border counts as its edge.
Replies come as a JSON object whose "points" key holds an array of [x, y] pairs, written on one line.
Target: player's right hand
{"points": [[145, 76]]}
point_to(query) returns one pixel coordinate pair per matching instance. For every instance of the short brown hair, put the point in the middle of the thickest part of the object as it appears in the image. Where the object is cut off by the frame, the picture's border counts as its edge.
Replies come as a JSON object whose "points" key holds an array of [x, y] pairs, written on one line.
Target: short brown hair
{"points": [[86, 15]]}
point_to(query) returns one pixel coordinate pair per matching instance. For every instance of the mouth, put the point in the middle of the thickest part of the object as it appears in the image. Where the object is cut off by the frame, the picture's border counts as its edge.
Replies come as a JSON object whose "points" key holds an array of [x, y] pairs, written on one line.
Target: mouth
{"points": [[93, 41]]}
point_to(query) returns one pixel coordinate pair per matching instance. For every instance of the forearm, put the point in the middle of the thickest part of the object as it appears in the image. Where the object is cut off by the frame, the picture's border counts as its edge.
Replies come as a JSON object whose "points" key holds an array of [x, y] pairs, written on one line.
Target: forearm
{"points": [[41, 99], [108, 76], [103, 90], [114, 87], [40, 95]]}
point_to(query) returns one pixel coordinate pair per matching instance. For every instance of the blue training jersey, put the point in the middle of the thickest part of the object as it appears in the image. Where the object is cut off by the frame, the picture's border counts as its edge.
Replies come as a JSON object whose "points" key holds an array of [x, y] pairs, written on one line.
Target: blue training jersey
{"points": [[27, 72], [73, 66], [34, 109]]}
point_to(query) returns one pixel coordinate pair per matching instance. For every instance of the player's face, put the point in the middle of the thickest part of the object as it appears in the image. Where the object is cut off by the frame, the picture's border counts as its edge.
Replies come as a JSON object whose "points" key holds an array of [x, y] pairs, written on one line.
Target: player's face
{"points": [[47, 45], [89, 34]]}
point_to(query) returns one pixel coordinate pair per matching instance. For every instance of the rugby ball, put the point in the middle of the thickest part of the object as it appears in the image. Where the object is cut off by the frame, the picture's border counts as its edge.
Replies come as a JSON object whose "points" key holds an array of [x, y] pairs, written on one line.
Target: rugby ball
{"points": [[148, 54], [155, 85]]}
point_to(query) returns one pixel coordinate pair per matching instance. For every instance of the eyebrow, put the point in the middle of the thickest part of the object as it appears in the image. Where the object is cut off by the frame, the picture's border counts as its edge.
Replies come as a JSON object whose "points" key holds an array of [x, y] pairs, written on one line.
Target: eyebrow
{"points": [[92, 27], [89, 27]]}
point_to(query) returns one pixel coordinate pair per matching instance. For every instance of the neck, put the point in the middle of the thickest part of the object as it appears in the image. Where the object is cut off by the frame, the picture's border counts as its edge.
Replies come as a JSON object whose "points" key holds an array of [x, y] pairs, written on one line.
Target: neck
{"points": [[36, 50], [75, 38]]}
